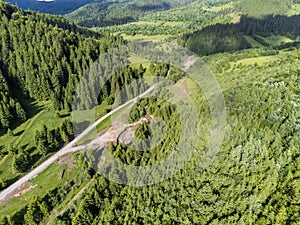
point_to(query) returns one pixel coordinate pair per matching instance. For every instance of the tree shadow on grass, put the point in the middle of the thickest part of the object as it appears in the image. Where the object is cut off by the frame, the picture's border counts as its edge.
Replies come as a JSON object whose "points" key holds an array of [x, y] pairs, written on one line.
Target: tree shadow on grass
{"points": [[10, 182], [35, 160], [30, 106], [64, 115], [20, 215], [30, 150], [19, 133], [3, 132]]}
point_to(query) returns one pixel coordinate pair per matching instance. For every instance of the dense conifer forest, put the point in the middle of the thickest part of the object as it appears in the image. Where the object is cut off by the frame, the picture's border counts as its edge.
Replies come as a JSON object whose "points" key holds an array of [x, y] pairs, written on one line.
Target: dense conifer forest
{"points": [[232, 37], [42, 58], [253, 179]]}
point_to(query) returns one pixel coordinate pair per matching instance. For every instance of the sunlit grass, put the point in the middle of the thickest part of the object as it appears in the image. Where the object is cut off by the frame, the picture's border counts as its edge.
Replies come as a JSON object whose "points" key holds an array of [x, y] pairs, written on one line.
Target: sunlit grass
{"points": [[145, 37], [44, 182], [294, 10], [24, 137], [218, 8]]}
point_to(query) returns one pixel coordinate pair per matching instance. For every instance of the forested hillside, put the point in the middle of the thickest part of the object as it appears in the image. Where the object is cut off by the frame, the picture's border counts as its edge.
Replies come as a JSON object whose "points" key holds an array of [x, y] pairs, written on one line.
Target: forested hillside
{"points": [[176, 20], [168, 19], [231, 37], [42, 58], [253, 179], [52, 7], [109, 13], [259, 9]]}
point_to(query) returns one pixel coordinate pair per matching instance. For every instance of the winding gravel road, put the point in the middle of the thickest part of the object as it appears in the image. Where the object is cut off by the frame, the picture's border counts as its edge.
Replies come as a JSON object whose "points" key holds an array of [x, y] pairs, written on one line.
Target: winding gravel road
{"points": [[69, 148]]}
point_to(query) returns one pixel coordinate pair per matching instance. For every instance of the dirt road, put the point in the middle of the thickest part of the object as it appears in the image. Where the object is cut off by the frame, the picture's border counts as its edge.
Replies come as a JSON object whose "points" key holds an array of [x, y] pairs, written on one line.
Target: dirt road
{"points": [[69, 148]]}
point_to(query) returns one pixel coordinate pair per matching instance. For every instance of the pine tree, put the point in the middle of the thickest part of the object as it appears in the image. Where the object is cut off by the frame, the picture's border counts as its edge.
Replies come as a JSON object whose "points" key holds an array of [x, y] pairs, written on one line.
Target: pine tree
{"points": [[13, 150], [34, 214], [20, 112], [10, 132], [42, 147], [20, 161]]}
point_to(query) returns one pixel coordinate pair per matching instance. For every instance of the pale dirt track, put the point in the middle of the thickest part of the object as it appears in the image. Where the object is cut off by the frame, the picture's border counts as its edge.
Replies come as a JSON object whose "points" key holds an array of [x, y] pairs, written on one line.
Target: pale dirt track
{"points": [[69, 148]]}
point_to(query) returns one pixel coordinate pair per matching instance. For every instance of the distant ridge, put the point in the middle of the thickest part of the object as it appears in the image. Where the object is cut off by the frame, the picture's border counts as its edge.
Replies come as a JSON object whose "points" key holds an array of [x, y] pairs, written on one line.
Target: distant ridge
{"points": [[58, 7]]}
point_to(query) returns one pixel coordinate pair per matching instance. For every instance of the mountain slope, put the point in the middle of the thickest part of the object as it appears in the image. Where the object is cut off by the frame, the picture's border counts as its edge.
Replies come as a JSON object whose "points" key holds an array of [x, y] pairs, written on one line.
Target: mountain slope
{"points": [[42, 58], [51, 6], [255, 173], [253, 179], [231, 37], [109, 13], [259, 9], [38, 52]]}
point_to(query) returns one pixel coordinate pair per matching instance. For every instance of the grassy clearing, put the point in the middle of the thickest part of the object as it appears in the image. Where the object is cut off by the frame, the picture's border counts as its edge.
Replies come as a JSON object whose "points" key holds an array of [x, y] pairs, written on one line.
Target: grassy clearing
{"points": [[117, 116], [294, 10], [104, 125], [142, 22], [48, 180], [46, 117], [102, 109], [276, 40], [258, 60], [93, 115], [235, 16], [95, 132], [253, 43], [24, 137], [173, 23], [33, 109], [7, 172], [24, 134], [259, 9], [137, 59], [140, 37], [145, 64], [217, 9]]}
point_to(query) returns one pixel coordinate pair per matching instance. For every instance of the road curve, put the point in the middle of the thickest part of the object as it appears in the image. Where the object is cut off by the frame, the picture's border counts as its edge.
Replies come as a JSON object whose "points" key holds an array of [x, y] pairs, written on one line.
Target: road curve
{"points": [[69, 148]]}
